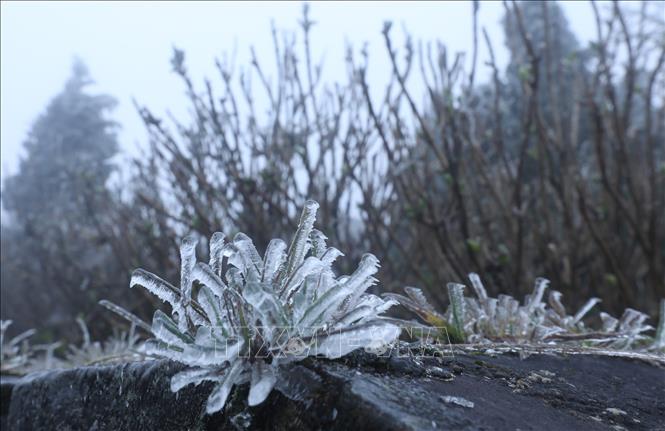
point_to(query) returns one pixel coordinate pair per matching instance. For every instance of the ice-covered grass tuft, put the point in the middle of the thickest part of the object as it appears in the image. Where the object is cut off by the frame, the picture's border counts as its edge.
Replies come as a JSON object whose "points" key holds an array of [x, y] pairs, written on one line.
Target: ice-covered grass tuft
{"points": [[15, 353], [505, 320], [240, 316]]}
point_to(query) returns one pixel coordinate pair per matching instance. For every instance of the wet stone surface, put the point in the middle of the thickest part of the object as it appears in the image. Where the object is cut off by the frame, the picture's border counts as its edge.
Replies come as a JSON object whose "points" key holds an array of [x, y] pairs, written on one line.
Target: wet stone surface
{"points": [[360, 391]]}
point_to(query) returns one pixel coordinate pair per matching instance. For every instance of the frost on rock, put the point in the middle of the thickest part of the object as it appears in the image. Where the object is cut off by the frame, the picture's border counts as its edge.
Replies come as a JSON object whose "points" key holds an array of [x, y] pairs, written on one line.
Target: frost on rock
{"points": [[238, 317], [457, 401]]}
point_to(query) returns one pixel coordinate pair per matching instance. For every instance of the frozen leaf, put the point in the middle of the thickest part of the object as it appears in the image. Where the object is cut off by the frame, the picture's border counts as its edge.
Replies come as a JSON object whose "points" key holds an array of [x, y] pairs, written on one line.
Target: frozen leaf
{"points": [[536, 299], [585, 309], [298, 247], [216, 252], [418, 297], [311, 265], [216, 355], [659, 340], [168, 331], [274, 259], [369, 335], [324, 307], [204, 274], [262, 381], [252, 263], [193, 376], [125, 314], [212, 306], [478, 287], [187, 262], [609, 322], [330, 256], [318, 240], [456, 296], [555, 303], [221, 392], [160, 288]]}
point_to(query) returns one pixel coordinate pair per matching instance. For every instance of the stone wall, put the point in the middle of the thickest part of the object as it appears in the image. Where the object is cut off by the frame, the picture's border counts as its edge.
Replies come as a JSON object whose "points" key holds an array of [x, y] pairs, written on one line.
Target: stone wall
{"points": [[361, 391]]}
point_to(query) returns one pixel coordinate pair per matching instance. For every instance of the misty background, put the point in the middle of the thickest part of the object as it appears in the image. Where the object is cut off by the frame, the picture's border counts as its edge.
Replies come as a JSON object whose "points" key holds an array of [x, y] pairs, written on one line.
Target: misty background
{"points": [[516, 140]]}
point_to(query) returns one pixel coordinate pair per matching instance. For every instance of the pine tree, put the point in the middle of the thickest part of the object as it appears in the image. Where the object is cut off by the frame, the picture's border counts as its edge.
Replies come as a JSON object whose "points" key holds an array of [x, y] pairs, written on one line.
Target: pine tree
{"points": [[54, 257]]}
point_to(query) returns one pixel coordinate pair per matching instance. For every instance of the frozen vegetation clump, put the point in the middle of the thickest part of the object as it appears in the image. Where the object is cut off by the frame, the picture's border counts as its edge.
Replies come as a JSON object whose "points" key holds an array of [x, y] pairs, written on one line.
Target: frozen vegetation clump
{"points": [[504, 319], [20, 357], [16, 354], [121, 346], [239, 317]]}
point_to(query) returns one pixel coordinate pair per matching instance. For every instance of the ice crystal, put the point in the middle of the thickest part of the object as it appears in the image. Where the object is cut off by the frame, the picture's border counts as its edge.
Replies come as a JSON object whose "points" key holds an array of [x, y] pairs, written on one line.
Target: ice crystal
{"points": [[239, 317]]}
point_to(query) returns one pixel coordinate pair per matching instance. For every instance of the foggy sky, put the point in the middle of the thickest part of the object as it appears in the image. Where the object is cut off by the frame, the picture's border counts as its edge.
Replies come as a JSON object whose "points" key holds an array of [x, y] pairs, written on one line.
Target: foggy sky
{"points": [[127, 47]]}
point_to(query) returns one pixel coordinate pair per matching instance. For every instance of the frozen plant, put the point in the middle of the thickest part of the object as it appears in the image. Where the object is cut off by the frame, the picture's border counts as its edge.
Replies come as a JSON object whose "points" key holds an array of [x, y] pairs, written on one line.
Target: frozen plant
{"points": [[437, 326], [505, 319], [239, 317], [16, 353], [659, 341], [121, 346]]}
